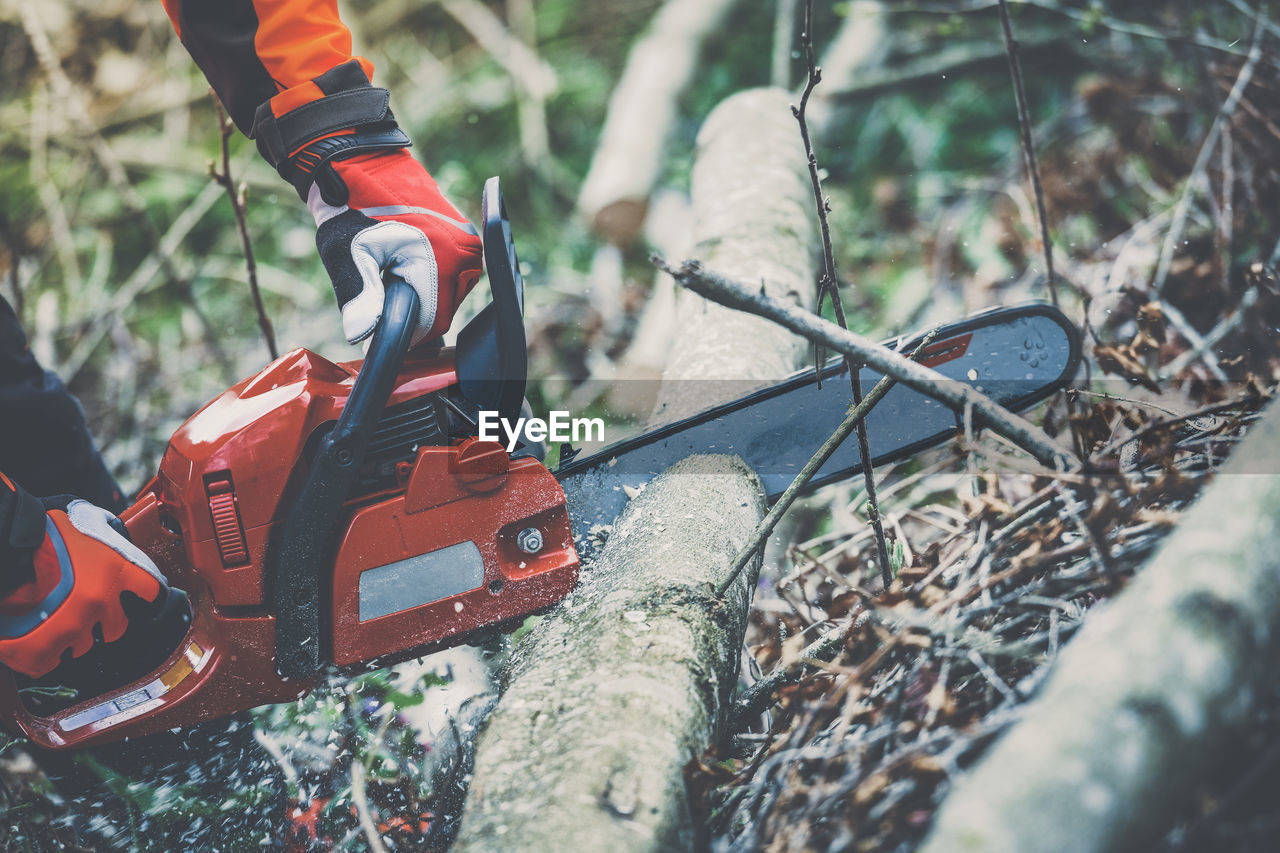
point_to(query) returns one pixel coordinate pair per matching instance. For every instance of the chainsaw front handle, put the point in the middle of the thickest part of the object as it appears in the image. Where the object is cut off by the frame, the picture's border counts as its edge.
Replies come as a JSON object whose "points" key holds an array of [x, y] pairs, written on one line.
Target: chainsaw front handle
{"points": [[303, 546]]}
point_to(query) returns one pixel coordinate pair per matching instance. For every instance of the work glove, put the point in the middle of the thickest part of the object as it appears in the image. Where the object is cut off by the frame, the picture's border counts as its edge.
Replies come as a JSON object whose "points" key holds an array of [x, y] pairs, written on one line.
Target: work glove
{"points": [[82, 566], [377, 211]]}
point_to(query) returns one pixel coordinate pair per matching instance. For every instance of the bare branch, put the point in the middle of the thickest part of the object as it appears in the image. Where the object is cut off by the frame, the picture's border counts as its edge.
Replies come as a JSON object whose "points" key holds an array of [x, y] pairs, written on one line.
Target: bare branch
{"points": [[1029, 146], [1201, 166], [237, 197], [856, 418], [830, 284], [735, 295]]}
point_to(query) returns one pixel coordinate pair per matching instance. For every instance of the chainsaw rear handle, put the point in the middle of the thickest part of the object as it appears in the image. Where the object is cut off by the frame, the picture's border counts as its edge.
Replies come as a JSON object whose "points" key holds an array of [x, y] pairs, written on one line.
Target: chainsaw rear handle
{"points": [[296, 556]]}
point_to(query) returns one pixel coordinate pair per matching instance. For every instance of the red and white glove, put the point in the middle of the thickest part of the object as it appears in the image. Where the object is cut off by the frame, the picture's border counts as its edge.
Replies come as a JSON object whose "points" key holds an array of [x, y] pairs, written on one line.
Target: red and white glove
{"points": [[395, 221], [377, 210], [80, 567]]}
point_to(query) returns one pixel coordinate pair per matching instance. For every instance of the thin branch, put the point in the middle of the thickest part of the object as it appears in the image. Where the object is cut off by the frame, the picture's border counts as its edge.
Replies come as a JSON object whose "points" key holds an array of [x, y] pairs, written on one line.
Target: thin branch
{"points": [[955, 394], [829, 284], [237, 197], [1088, 17], [857, 415], [1198, 343], [1200, 168], [753, 700], [1029, 147]]}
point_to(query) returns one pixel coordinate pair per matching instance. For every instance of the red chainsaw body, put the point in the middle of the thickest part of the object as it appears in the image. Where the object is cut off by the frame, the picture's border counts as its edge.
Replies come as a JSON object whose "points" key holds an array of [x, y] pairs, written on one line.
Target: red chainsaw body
{"points": [[426, 550]]}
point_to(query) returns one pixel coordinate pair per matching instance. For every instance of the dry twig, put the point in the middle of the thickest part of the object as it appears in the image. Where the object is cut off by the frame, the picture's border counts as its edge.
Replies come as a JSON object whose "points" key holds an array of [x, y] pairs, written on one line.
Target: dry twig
{"points": [[732, 294], [856, 416], [1029, 146], [1201, 166], [830, 284], [237, 196]]}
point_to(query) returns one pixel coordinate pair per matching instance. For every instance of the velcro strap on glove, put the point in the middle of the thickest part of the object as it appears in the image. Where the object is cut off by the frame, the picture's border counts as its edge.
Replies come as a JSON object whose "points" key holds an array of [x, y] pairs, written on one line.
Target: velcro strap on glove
{"points": [[300, 142]]}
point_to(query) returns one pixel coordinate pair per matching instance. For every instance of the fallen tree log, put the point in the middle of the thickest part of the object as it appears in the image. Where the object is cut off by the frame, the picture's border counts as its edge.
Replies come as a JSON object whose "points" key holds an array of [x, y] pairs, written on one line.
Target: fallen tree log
{"points": [[608, 699], [1143, 701], [642, 112]]}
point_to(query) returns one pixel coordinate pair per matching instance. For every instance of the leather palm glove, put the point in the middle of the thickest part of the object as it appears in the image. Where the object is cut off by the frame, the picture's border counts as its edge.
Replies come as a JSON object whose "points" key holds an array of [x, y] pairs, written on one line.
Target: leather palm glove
{"points": [[377, 211], [67, 570]]}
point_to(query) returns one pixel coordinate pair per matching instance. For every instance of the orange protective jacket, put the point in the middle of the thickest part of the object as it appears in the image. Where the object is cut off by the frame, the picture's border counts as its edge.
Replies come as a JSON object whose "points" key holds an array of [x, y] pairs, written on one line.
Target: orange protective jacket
{"points": [[254, 51]]}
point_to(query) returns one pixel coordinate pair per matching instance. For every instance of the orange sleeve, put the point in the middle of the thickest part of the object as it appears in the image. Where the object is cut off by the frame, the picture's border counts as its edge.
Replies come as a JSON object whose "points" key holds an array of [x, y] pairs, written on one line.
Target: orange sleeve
{"points": [[253, 51]]}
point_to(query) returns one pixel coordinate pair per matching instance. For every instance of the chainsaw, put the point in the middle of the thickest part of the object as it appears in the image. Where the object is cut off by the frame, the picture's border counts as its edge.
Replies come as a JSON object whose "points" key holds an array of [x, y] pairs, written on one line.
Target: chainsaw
{"points": [[321, 517]]}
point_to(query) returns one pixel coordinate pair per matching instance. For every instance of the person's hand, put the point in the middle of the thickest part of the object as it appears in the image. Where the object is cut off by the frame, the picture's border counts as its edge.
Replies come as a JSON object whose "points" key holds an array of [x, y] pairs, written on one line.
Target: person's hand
{"points": [[397, 222], [377, 210], [82, 570]]}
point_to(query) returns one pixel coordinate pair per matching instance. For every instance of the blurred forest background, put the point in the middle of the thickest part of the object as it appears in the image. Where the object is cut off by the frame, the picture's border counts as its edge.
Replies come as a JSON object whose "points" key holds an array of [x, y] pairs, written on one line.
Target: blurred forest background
{"points": [[123, 258]]}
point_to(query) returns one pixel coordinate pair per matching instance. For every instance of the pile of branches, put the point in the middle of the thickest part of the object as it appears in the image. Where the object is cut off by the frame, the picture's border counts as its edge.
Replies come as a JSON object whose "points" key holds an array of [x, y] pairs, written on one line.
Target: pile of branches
{"points": [[857, 751], [877, 697]]}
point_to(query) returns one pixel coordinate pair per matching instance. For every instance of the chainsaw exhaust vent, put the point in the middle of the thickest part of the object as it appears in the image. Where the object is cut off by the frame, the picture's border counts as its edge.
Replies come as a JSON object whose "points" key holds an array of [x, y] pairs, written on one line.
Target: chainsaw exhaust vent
{"points": [[405, 427], [227, 528]]}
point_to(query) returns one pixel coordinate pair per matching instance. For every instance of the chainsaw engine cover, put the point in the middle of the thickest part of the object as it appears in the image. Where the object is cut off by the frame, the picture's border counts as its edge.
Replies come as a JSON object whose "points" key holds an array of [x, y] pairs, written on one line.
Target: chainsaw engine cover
{"points": [[427, 547]]}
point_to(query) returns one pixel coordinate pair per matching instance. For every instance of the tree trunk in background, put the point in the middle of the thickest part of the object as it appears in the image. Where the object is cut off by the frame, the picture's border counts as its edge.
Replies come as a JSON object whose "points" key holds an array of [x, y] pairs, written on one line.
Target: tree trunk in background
{"points": [[642, 111], [1141, 704], [858, 49], [611, 695]]}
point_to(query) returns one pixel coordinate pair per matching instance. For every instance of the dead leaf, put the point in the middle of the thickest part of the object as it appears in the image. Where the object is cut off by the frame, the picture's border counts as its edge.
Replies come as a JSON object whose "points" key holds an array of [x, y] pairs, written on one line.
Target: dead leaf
{"points": [[1119, 362]]}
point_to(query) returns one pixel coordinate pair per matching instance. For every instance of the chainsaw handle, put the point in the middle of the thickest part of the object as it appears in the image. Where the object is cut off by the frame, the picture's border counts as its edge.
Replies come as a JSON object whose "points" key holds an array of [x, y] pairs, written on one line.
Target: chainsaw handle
{"points": [[381, 366], [295, 556], [492, 357]]}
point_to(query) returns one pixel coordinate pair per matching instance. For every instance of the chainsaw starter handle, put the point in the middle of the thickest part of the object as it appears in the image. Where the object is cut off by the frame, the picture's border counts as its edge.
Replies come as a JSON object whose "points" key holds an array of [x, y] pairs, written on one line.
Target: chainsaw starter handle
{"points": [[296, 556]]}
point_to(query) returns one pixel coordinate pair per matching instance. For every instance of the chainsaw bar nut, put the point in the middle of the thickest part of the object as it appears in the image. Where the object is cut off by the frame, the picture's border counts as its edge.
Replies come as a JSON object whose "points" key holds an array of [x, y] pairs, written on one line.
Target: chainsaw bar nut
{"points": [[529, 540]]}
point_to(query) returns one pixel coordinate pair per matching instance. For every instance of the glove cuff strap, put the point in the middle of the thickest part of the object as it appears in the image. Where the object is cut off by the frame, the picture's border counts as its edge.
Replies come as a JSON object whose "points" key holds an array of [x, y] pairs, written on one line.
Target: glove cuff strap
{"points": [[300, 142], [308, 165]]}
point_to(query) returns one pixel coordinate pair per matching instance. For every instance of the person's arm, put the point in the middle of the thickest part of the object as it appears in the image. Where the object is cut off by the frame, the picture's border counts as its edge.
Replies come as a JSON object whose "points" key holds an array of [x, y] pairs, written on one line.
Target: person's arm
{"points": [[284, 70], [259, 51]]}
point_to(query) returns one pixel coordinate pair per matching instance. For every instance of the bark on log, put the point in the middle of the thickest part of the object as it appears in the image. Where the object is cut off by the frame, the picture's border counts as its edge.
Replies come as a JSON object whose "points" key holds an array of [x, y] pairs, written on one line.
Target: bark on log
{"points": [[1143, 701], [613, 693], [642, 111]]}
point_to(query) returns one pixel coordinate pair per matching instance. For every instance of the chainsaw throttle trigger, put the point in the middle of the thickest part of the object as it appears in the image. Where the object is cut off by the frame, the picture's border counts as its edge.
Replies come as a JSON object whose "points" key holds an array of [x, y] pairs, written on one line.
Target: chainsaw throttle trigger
{"points": [[305, 543]]}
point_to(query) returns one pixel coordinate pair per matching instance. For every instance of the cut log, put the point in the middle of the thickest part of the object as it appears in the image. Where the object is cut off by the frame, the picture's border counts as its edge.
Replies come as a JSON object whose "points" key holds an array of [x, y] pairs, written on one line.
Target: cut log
{"points": [[642, 112], [613, 693], [1143, 702]]}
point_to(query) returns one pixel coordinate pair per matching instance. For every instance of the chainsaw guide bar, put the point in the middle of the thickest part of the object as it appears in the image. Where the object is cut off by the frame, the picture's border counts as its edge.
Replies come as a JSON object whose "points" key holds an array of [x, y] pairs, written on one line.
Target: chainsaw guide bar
{"points": [[1017, 356]]}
